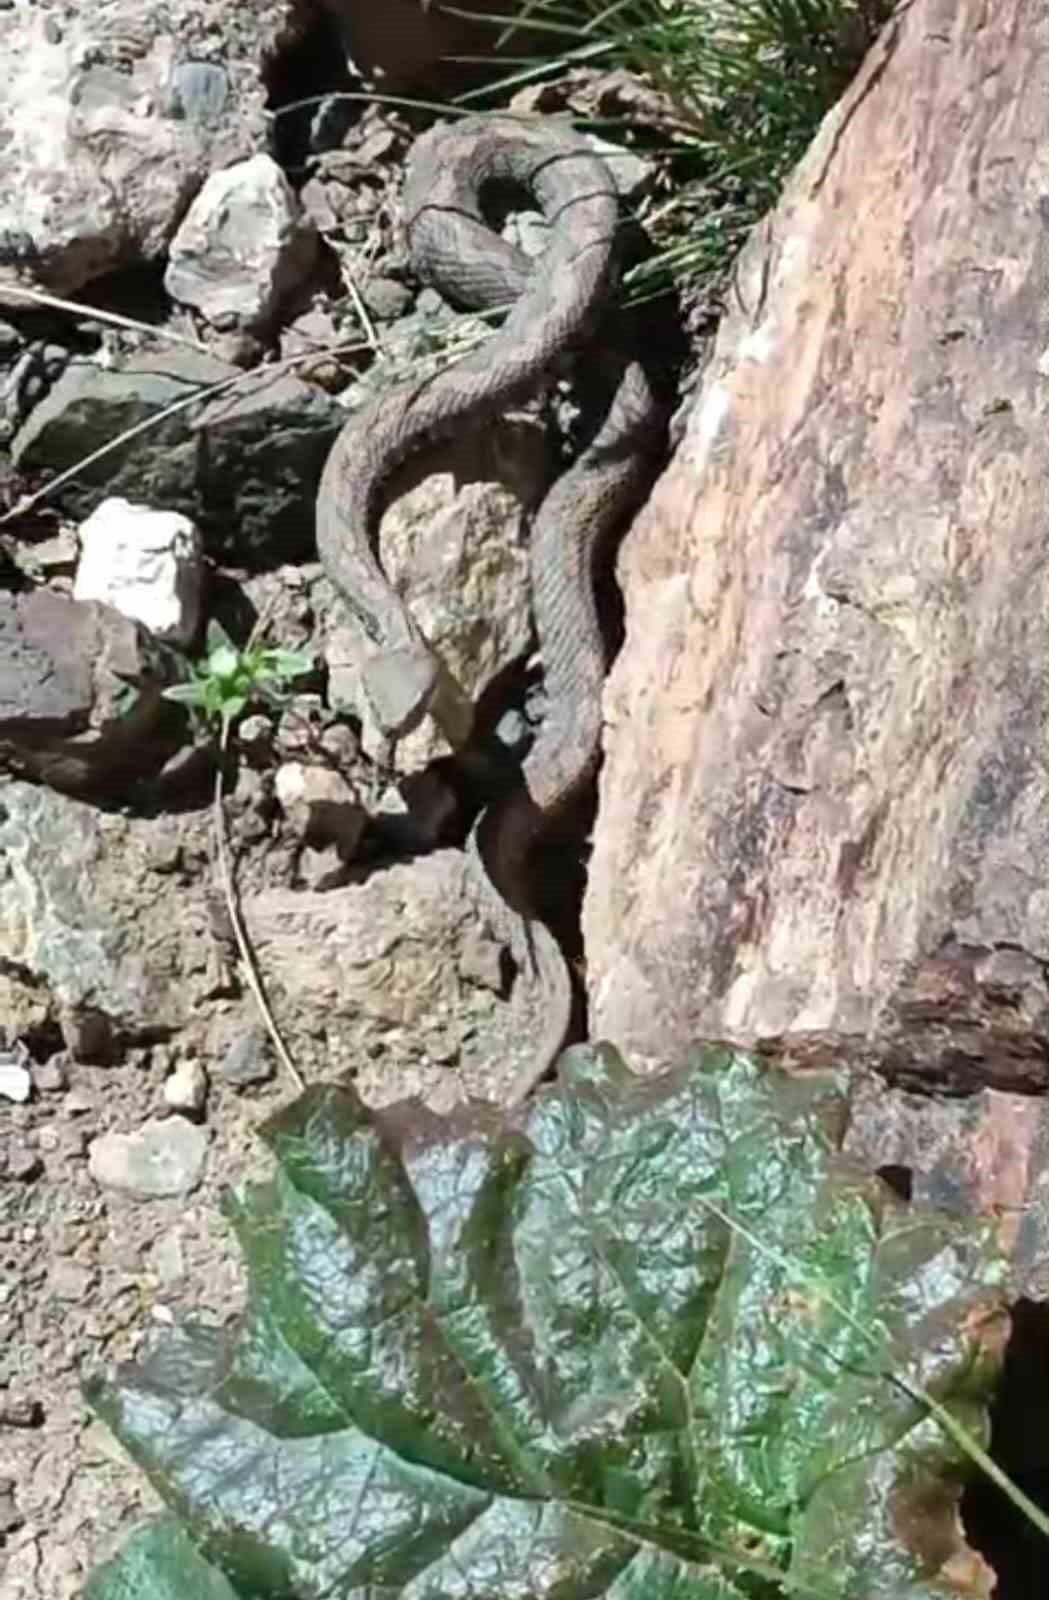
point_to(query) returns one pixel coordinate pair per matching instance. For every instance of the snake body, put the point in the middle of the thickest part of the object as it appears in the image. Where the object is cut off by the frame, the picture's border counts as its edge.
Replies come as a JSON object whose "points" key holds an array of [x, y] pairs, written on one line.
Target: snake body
{"points": [[556, 303]]}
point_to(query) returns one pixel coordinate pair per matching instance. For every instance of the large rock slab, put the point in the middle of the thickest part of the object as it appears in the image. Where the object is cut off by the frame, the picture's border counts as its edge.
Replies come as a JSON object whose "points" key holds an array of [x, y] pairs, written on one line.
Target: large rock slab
{"points": [[825, 802]]}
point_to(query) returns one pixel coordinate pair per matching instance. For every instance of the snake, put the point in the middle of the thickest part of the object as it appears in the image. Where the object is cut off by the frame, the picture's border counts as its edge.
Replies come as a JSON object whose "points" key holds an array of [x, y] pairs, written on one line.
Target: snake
{"points": [[558, 303]]}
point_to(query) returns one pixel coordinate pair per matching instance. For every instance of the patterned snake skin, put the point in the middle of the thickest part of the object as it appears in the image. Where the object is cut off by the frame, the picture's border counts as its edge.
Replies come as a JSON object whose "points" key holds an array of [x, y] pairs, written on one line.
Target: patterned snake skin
{"points": [[557, 303]]}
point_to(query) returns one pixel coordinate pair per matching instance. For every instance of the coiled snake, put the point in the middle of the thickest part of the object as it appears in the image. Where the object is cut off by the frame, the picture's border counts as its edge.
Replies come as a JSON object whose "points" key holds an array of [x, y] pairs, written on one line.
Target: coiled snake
{"points": [[556, 303]]}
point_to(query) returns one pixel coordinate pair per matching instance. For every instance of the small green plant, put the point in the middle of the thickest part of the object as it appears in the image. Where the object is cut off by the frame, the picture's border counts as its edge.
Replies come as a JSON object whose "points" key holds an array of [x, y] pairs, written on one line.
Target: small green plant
{"points": [[221, 686]]}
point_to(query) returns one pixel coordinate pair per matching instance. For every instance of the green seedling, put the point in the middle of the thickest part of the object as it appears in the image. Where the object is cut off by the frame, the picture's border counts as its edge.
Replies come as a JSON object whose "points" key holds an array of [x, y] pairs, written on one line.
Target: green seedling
{"points": [[221, 686]]}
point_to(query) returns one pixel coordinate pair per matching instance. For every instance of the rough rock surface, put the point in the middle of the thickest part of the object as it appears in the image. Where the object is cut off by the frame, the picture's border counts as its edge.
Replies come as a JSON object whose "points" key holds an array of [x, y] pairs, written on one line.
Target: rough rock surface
{"points": [[80, 694], [455, 537], [243, 246], [394, 978], [243, 464], [62, 870], [146, 564], [113, 115], [825, 804]]}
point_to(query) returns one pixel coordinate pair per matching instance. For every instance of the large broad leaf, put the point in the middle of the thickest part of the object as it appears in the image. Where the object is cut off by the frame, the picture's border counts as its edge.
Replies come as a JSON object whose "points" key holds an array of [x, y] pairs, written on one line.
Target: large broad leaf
{"points": [[650, 1340]]}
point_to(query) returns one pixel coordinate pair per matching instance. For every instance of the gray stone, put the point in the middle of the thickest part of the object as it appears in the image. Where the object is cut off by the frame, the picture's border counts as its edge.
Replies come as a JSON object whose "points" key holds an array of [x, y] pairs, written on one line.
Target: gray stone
{"points": [[248, 1059], [163, 1158], [243, 247], [21, 1163], [57, 926], [244, 466], [199, 91], [67, 714], [385, 298]]}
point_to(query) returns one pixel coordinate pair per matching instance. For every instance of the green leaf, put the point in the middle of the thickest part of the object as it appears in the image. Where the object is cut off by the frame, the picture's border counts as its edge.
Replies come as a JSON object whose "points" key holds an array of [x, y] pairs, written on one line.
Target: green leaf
{"points": [[218, 639], [159, 1562], [223, 661], [635, 1342], [288, 663], [190, 694]]}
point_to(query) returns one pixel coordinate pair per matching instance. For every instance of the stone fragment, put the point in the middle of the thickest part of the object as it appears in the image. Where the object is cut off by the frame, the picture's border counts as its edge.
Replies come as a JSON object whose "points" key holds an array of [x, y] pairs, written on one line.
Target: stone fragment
{"points": [[321, 805], [187, 1088], [146, 564], [21, 1163], [163, 1158], [80, 693], [247, 1059], [243, 247]]}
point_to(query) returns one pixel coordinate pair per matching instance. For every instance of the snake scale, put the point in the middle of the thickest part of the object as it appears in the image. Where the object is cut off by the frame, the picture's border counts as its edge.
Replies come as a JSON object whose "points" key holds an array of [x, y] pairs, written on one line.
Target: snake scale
{"points": [[557, 304]]}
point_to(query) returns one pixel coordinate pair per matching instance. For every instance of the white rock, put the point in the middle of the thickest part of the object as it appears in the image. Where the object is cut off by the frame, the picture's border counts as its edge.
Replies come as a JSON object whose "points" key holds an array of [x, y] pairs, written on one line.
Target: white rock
{"points": [[187, 1087], [15, 1082], [146, 564], [243, 244], [162, 1158]]}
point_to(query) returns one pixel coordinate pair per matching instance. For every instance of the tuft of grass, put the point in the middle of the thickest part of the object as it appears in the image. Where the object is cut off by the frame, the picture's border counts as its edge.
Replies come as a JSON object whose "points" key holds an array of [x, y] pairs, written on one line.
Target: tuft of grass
{"points": [[736, 92]]}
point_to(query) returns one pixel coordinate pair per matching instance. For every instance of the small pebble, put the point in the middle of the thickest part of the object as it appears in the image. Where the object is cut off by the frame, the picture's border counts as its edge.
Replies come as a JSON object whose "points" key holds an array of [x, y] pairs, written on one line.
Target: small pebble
{"points": [[15, 1082], [162, 1158], [248, 1059], [187, 1087]]}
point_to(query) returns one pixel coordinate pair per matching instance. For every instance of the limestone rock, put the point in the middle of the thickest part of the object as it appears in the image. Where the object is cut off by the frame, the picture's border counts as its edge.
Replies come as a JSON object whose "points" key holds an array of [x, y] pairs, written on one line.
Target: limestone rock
{"points": [[112, 116], [825, 805], [381, 977], [146, 564], [164, 1157], [242, 247]]}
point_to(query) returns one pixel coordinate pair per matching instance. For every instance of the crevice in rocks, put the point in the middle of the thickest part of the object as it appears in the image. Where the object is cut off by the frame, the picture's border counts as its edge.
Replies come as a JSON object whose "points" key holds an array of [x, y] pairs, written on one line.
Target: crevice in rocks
{"points": [[900, 1180], [307, 83], [135, 291], [1018, 1552]]}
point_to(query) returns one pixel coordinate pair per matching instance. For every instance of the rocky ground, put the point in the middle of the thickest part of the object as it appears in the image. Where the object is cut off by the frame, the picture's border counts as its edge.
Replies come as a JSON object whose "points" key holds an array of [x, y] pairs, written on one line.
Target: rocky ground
{"points": [[134, 1063], [204, 177]]}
